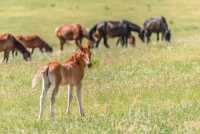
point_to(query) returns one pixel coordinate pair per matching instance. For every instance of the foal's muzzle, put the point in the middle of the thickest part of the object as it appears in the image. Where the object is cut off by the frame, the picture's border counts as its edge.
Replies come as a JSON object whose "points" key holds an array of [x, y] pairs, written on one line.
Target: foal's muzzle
{"points": [[89, 65]]}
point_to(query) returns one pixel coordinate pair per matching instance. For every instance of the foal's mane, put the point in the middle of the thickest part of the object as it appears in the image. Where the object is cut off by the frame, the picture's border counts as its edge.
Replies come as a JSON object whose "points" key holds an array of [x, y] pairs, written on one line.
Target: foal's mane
{"points": [[73, 58]]}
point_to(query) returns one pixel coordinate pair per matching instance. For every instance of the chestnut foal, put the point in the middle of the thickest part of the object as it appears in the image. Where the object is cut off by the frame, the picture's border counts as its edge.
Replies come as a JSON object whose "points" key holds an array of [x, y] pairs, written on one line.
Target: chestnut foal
{"points": [[70, 73]]}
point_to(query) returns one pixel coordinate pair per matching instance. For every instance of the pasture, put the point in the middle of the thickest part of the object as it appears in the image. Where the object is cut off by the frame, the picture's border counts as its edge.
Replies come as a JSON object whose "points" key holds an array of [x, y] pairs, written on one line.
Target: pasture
{"points": [[146, 89]]}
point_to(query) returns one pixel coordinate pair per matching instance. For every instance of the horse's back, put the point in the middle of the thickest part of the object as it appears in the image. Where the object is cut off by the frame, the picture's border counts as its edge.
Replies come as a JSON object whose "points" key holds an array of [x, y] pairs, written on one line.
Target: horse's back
{"points": [[69, 31], [155, 24]]}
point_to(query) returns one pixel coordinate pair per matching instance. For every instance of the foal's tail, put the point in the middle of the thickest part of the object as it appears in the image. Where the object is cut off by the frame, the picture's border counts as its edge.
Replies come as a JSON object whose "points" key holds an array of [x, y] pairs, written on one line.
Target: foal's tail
{"points": [[41, 73]]}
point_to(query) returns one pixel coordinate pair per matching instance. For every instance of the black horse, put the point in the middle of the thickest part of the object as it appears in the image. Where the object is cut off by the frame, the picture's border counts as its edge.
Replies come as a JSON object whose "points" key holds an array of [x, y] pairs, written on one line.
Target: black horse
{"points": [[112, 29], [157, 25]]}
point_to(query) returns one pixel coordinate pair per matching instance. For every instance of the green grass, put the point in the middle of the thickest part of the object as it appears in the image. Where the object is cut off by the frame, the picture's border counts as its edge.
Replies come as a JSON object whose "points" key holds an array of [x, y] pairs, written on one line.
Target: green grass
{"points": [[146, 89]]}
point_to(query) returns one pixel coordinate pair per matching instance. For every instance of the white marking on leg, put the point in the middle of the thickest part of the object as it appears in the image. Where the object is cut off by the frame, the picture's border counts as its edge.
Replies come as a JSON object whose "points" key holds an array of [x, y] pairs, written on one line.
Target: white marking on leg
{"points": [[45, 88], [52, 108], [70, 97], [78, 90]]}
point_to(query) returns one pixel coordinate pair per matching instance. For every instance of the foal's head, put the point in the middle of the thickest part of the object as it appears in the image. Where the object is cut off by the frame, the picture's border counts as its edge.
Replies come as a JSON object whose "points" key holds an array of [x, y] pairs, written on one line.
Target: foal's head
{"points": [[84, 56]]}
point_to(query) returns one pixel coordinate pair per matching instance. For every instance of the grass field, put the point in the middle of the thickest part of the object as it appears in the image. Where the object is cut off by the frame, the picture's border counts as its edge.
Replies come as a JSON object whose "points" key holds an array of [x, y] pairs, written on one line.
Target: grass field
{"points": [[146, 89]]}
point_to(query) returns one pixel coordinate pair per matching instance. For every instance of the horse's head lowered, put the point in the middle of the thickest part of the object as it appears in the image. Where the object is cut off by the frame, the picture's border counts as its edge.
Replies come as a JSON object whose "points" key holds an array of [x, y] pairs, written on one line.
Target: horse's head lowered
{"points": [[141, 34], [168, 35]]}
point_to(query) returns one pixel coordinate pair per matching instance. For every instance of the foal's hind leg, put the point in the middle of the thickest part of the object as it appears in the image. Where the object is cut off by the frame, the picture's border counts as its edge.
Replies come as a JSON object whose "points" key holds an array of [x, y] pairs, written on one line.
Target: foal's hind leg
{"points": [[53, 96], [45, 88], [70, 97], [78, 90]]}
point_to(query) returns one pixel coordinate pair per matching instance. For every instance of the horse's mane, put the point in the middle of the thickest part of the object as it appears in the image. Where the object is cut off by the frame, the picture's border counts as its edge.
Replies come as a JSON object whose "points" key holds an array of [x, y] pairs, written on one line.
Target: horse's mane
{"points": [[19, 46]]}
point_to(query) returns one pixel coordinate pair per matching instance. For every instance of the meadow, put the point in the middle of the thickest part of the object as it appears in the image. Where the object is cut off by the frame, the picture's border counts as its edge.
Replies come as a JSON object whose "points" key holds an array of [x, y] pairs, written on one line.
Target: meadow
{"points": [[148, 89]]}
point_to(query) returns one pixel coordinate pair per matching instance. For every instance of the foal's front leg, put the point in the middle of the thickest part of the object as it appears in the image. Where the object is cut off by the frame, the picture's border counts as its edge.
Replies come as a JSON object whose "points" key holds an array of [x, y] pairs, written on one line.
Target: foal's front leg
{"points": [[78, 91], [70, 97]]}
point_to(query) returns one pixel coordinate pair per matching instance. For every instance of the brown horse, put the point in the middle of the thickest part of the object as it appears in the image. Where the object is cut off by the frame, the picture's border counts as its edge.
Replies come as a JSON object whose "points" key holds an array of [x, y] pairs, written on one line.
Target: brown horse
{"points": [[8, 42], [34, 41], [70, 73], [71, 32]]}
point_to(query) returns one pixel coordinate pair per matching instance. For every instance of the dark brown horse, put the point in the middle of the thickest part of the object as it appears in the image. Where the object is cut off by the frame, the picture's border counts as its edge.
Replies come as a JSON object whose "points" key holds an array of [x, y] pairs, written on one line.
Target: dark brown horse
{"points": [[34, 41], [8, 42], [121, 29], [70, 32], [157, 25]]}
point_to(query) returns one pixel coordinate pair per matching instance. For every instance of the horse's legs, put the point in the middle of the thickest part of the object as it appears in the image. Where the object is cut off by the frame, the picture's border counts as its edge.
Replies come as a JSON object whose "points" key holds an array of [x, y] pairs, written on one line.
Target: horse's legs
{"points": [[62, 42], [78, 43], [13, 53], [41, 49], [5, 57], [162, 37], [105, 40], [53, 96], [32, 50], [78, 91], [126, 41], [148, 37], [158, 36], [70, 97], [118, 41], [98, 41], [45, 88]]}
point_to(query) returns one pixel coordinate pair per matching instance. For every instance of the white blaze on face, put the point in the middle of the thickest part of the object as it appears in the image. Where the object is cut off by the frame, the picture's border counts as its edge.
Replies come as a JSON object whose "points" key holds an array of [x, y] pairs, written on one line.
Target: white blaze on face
{"points": [[86, 59]]}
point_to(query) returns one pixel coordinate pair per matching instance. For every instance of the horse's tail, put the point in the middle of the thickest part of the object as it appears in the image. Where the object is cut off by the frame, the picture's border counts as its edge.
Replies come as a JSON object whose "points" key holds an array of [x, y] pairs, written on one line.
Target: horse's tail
{"points": [[41, 73], [91, 32], [57, 31]]}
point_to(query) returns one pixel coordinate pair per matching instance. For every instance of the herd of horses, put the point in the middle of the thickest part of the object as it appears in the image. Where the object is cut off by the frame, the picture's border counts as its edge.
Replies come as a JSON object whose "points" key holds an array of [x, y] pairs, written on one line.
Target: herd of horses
{"points": [[71, 72], [100, 31]]}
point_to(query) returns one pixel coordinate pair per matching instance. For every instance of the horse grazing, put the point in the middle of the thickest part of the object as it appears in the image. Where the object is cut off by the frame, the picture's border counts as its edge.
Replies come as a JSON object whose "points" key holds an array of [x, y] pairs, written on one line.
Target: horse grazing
{"points": [[157, 25], [131, 41], [112, 29], [8, 42], [34, 41], [70, 73], [71, 32]]}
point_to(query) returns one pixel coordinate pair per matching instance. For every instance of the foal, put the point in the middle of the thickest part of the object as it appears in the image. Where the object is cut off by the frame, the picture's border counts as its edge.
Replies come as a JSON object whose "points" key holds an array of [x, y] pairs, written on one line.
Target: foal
{"points": [[70, 73]]}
